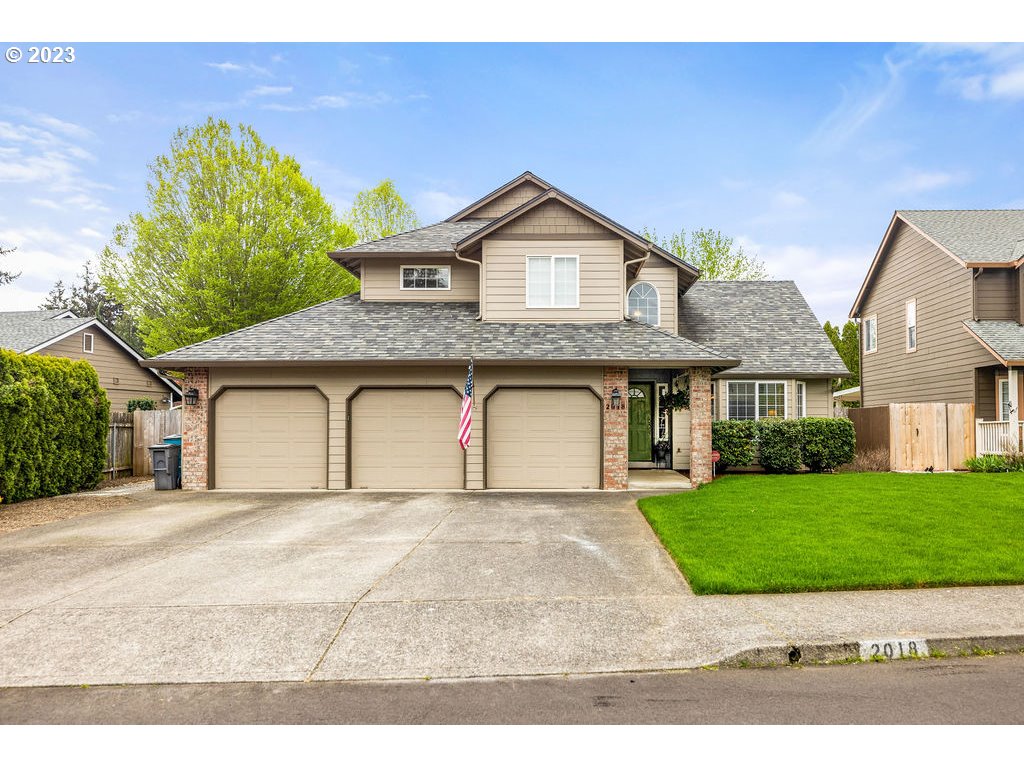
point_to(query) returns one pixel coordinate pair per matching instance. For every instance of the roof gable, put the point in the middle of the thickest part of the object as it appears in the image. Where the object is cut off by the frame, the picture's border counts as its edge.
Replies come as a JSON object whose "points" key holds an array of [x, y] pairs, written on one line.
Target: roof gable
{"points": [[505, 198]]}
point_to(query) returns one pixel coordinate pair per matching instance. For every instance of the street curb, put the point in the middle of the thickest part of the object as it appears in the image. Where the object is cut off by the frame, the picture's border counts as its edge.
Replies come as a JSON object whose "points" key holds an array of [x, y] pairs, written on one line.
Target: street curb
{"points": [[830, 653]]}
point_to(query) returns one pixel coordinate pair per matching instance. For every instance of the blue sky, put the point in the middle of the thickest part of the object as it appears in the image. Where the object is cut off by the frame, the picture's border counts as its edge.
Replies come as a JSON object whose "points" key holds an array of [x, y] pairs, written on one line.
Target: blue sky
{"points": [[799, 151]]}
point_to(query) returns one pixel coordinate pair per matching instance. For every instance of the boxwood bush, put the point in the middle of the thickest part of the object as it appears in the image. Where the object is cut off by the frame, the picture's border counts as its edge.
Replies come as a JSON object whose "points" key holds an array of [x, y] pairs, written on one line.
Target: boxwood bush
{"points": [[141, 404], [827, 443], [780, 442], [53, 426], [734, 440]]}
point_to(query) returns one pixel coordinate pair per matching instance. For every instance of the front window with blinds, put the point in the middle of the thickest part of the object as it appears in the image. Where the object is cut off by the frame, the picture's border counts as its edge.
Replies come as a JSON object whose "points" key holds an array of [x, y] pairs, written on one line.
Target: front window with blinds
{"points": [[756, 400], [552, 281]]}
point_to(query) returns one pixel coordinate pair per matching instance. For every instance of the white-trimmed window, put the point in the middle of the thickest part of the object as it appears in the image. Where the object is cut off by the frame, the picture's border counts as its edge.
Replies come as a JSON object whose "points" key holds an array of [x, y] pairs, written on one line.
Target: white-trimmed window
{"points": [[643, 304], [756, 400], [552, 281], [1003, 398], [801, 399], [88, 342], [912, 325], [426, 278], [870, 334]]}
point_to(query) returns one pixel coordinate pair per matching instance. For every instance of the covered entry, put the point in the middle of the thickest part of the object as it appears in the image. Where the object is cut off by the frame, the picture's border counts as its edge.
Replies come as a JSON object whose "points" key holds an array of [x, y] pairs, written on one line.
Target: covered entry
{"points": [[405, 437], [270, 437], [543, 437]]}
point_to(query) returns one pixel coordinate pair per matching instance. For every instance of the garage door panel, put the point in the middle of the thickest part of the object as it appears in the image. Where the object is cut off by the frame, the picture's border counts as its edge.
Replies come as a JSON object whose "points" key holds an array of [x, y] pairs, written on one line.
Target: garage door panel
{"points": [[270, 438], [543, 438], [406, 438]]}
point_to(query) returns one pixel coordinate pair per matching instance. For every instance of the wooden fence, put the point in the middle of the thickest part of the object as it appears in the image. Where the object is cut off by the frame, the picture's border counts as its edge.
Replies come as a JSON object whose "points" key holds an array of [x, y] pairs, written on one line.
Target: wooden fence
{"points": [[150, 429], [120, 440], [918, 436]]}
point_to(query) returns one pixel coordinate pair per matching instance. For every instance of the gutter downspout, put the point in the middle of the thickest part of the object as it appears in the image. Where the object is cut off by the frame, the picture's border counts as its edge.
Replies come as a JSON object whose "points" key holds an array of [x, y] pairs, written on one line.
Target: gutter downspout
{"points": [[625, 277], [479, 281]]}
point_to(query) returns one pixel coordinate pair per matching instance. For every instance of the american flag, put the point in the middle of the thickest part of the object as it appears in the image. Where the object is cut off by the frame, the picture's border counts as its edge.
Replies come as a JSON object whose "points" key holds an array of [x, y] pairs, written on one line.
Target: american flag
{"points": [[466, 414]]}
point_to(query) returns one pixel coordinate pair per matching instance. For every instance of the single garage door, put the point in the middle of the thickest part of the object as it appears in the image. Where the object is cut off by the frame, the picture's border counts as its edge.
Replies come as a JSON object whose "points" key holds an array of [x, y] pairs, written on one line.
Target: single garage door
{"points": [[406, 438], [270, 438], [543, 438]]}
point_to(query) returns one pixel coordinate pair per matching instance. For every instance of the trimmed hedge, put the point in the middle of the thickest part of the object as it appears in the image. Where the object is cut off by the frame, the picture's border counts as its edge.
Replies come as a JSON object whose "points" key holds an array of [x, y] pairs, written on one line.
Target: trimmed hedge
{"points": [[53, 426], [827, 443], [780, 441], [734, 440], [141, 404]]}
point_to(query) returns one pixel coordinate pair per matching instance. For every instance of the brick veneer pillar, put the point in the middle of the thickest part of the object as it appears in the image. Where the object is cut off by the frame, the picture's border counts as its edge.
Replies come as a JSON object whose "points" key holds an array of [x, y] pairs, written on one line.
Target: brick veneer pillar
{"points": [[616, 431], [700, 426], [195, 425]]}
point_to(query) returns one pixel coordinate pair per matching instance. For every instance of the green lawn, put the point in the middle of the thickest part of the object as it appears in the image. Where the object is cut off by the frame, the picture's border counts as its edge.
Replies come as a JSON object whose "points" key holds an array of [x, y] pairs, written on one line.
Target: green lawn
{"points": [[803, 533]]}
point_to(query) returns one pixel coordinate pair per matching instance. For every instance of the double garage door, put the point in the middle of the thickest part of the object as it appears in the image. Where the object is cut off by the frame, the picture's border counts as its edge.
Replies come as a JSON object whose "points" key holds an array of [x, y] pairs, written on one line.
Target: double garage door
{"points": [[406, 438]]}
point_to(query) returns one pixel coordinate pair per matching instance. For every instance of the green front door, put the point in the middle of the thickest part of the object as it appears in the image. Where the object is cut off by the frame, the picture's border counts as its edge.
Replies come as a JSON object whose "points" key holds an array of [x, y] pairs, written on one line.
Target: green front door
{"points": [[639, 422]]}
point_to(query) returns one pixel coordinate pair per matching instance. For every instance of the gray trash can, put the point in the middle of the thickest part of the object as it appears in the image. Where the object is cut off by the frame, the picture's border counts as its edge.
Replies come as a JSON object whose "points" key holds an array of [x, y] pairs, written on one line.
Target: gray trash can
{"points": [[166, 460]]}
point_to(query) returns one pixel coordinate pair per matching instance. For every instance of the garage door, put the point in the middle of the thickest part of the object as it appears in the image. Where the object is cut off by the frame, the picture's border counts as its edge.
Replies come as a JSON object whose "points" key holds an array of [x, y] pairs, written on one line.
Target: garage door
{"points": [[406, 438], [270, 438], [543, 438]]}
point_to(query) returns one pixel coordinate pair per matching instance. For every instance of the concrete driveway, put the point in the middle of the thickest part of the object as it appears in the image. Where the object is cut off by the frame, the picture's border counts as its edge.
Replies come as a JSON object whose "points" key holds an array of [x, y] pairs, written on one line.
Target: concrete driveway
{"points": [[190, 587]]}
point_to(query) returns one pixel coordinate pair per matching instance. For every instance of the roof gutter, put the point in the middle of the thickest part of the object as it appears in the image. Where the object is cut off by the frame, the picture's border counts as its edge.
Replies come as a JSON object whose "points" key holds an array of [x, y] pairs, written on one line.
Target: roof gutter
{"points": [[625, 271], [479, 281]]}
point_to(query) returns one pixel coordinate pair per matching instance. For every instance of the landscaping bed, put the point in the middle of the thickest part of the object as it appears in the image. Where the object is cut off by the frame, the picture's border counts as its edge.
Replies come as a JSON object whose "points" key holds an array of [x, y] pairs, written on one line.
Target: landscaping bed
{"points": [[26, 514], [803, 533]]}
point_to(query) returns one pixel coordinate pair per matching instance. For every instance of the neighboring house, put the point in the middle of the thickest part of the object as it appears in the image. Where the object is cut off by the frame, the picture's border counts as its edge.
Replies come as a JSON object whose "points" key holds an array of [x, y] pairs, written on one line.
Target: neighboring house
{"points": [[61, 334], [578, 329], [940, 312]]}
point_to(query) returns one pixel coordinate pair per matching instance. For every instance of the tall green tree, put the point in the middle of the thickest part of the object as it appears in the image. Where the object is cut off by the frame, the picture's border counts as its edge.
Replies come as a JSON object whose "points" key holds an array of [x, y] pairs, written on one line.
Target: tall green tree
{"points": [[233, 234], [5, 276], [379, 212], [716, 255], [847, 344], [87, 297]]}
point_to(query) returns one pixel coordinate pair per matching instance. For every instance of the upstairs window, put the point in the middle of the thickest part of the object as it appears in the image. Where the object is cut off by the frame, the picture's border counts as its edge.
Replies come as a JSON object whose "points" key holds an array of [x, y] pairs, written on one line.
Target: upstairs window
{"points": [[552, 281], [642, 304], [911, 325], [87, 342], [426, 278], [870, 334]]}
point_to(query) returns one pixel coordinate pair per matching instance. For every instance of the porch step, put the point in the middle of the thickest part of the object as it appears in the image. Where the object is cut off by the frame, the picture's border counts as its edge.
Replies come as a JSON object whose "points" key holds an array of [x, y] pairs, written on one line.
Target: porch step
{"points": [[658, 480]]}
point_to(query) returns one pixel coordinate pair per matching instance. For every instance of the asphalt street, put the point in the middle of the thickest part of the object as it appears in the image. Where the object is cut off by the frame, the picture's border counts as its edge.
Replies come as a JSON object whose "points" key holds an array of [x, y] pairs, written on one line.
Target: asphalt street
{"points": [[974, 690]]}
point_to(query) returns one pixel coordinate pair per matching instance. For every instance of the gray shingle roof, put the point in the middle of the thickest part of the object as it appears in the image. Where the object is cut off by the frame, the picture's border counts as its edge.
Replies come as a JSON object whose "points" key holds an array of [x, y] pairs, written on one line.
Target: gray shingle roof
{"points": [[436, 238], [990, 236], [765, 323], [1005, 337], [350, 330], [21, 331]]}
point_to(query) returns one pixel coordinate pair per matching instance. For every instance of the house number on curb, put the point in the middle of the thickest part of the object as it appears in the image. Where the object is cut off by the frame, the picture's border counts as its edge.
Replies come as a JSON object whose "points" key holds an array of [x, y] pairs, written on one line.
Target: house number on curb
{"points": [[892, 649]]}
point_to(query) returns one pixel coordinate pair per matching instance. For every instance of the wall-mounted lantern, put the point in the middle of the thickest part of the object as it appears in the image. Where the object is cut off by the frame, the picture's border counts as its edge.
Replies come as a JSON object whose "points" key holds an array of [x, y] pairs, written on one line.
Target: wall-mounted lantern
{"points": [[616, 398], [191, 396]]}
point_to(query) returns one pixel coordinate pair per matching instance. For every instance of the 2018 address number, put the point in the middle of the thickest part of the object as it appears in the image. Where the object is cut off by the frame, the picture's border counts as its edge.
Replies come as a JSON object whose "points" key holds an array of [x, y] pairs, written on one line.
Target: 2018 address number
{"points": [[892, 649]]}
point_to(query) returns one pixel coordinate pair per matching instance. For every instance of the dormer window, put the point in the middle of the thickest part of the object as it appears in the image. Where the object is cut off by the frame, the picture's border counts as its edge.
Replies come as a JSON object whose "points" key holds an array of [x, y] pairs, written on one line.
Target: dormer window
{"points": [[426, 278], [552, 281], [642, 304]]}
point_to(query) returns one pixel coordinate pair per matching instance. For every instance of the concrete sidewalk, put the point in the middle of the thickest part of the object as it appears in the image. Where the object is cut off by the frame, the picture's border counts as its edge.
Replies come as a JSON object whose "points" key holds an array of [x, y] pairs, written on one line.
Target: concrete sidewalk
{"points": [[233, 587]]}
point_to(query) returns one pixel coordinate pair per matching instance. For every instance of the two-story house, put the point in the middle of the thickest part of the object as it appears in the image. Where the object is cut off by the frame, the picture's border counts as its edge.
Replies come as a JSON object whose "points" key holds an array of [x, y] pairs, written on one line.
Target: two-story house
{"points": [[940, 313], [61, 333], [581, 333]]}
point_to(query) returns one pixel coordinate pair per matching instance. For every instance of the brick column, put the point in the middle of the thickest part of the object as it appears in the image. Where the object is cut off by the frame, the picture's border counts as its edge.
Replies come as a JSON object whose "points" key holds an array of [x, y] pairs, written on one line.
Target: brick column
{"points": [[700, 426], [195, 424], [616, 431]]}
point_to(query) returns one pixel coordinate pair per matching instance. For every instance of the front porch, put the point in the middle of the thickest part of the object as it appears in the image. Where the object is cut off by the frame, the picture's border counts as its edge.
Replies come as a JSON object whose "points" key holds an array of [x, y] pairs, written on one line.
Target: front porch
{"points": [[998, 393]]}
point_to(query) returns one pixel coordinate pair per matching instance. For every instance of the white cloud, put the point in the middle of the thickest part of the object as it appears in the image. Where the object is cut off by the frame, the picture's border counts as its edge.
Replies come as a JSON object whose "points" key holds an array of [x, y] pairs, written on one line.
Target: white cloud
{"points": [[331, 102], [270, 90], [250, 69], [90, 232], [129, 116], [72, 130], [53, 205], [43, 255], [435, 205], [859, 105], [978, 72], [784, 199], [913, 182]]}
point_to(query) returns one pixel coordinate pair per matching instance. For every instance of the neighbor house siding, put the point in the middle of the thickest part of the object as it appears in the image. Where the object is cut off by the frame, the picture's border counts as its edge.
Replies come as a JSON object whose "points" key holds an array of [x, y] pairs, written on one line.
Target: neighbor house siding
{"points": [[995, 294], [509, 201], [664, 277], [985, 392], [338, 384], [112, 362], [942, 368], [600, 280], [382, 276]]}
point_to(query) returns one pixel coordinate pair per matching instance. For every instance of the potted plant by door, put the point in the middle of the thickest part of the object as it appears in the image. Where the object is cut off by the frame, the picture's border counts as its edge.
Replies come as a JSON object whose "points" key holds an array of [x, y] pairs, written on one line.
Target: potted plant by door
{"points": [[661, 451]]}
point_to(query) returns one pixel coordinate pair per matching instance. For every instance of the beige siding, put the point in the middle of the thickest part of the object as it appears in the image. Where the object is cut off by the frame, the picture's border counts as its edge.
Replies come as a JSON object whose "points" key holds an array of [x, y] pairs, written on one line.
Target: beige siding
{"points": [[112, 362], [339, 383], [600, 273], [680, 435], [511, 200], [381, 279], [664, 277], [942, 368], [995, 294], [551, 218]]}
